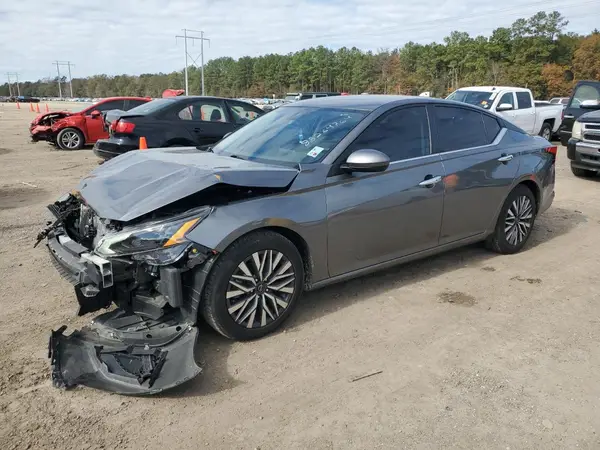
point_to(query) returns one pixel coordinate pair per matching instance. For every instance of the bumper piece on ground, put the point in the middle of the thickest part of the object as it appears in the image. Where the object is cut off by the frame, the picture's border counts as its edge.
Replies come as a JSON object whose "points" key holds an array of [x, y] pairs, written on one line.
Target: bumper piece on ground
{"points": [[123, 353]]}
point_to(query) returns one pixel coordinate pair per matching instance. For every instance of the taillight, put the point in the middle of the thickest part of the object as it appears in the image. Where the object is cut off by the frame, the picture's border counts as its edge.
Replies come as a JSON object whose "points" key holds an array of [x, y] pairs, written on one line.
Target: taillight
{"points": [[553, 150], [123, 127]]}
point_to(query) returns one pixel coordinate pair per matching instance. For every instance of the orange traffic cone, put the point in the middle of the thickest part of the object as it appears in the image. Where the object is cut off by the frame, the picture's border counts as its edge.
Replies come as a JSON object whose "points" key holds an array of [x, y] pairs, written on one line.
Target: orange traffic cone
{"points": [[47, 109], [143, 143], [31, 107], [18, 106], [37, 108]]}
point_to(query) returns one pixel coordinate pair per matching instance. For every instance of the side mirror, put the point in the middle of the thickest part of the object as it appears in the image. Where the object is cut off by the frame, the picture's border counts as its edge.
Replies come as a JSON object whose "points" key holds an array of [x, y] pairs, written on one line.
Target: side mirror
{"points": [[366, 160], [95, 114], [590, 104], [504, 107]]}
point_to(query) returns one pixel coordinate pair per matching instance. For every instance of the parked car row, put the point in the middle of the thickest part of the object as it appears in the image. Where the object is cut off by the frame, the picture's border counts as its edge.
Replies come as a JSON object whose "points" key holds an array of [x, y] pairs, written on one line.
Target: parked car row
{"points": [[312, 193]]}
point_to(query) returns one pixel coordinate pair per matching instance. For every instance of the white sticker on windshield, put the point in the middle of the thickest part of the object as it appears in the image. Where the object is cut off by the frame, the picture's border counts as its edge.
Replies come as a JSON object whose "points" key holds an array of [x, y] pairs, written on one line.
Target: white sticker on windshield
{"points": [[315, 152]]}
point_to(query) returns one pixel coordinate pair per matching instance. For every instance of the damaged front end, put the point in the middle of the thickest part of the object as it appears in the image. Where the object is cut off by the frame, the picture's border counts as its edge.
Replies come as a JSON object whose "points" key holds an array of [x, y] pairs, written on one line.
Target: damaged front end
{"points": [[145, 345], [40, 128]]}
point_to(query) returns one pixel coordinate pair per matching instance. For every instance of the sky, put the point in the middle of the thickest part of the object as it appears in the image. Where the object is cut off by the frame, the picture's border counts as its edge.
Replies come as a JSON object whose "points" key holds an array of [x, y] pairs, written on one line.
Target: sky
{"points": [[138, 36]]}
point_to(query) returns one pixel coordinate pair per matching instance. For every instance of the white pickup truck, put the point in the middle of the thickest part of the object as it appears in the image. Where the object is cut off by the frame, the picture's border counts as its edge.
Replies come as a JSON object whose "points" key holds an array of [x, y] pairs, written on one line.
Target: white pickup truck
{"points": [[516, 105]]}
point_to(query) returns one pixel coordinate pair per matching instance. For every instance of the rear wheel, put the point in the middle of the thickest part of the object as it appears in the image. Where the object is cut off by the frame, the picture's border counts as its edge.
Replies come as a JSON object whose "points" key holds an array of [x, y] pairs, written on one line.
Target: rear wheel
{"points": [[253, 286], [70, 139], [583, 172], [515, 222], [546, 131]]}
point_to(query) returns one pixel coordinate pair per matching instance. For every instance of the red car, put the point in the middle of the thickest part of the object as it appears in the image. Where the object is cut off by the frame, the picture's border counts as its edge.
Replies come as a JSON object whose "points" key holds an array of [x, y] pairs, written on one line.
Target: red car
{"points": [[73, 130]]}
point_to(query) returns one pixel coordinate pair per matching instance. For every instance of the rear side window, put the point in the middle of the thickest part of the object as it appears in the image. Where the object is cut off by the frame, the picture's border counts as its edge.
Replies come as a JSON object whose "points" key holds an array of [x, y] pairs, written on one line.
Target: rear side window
{"points": [[523, 100], [203, 110], [492, 128], [458, 128]]}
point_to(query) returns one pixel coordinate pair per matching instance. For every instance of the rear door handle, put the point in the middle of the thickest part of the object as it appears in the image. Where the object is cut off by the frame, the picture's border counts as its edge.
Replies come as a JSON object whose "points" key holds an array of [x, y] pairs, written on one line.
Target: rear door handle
{"points": [[568, 116], [430, 182], [505, 158]]}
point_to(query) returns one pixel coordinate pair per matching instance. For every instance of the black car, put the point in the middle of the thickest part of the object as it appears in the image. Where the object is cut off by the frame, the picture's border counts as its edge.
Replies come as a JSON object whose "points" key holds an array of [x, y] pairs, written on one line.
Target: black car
{"points": [[176, 122], [584, 90], [27, 99]]}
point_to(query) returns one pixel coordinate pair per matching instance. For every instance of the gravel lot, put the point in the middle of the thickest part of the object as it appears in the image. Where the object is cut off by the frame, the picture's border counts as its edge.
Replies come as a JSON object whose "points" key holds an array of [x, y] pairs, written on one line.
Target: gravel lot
{"points": [[475, 350]]}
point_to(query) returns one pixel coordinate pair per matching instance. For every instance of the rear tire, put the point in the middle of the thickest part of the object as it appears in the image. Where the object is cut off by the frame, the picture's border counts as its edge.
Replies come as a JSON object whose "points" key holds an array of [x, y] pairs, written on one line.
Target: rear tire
{"points": [[70, 139], [546, 131], [586, 173], [515, 222], [253, 286]]}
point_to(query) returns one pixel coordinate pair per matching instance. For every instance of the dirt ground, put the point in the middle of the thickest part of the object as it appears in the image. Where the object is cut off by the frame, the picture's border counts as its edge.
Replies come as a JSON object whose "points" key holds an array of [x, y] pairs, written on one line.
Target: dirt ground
{"points": [[473, 350]]}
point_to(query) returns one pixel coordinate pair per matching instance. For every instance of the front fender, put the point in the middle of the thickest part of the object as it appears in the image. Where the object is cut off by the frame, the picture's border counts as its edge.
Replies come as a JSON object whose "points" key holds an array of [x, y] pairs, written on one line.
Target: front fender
{"points": [[69, 122], [301, 212]]}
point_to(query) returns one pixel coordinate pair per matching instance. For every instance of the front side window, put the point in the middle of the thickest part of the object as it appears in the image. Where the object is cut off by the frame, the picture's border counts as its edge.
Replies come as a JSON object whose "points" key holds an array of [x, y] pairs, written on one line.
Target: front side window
{"points": [[507, 98], [290, 135], [524, 100], [400, 134], [583, 93], [458, 128], [107, 106], [204, 111]]}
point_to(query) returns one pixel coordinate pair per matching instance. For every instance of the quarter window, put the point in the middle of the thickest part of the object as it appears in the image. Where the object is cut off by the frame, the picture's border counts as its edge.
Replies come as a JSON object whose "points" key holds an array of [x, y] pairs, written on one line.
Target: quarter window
{"points": [[524, 100], [458, 128], [242, 114], [492, 128], [400, 134]]}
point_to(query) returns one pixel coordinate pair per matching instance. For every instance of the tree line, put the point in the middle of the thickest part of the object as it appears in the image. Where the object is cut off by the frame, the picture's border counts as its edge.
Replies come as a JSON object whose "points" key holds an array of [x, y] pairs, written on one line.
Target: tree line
{"points": [[534, 53]]}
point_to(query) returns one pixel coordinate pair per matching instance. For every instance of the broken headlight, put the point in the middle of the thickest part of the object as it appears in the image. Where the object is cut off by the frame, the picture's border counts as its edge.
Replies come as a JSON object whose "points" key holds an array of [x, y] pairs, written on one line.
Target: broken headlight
{"points": [[160, 242]]}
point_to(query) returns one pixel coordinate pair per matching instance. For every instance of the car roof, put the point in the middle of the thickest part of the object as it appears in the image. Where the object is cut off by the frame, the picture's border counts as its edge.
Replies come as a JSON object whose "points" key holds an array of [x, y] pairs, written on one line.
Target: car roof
{"points": [[124, 98], [359, 102], [492, 88]]}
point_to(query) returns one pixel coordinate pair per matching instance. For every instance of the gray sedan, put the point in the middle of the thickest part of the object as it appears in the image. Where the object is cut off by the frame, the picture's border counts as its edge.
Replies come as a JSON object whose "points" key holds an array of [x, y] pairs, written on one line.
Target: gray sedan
{"points": [[310, 194]]}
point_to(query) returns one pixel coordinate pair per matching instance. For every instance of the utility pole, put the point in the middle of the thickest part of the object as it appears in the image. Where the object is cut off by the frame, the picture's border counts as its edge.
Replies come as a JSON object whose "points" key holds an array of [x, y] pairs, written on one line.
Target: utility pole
{"points": [[68, 64], [10, 94], [185, 37]]}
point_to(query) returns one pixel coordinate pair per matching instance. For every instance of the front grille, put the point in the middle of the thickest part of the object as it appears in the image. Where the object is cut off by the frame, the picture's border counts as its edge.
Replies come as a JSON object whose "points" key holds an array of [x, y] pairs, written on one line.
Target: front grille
{"points": [[591, 137], [589, 126]]}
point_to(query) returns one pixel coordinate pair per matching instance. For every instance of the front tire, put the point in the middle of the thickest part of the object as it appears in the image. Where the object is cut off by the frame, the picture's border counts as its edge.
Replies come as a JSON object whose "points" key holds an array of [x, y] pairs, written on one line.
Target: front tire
{"points": [[70, 139], [515, 222], [585, 173], [253, 286]]}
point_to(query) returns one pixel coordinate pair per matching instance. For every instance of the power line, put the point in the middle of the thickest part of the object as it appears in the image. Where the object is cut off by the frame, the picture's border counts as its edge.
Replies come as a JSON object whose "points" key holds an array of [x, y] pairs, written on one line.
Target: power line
{"points": [[185, 38], [10, 89]]}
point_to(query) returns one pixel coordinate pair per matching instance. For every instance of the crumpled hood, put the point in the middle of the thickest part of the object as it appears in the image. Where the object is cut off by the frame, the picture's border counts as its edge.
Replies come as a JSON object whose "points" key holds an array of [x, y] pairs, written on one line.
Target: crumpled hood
{"points": [[139, 182], [54, 114]]}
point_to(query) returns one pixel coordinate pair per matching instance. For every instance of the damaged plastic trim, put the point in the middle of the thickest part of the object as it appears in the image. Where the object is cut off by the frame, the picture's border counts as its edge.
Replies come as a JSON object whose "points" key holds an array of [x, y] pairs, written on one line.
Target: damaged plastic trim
{"points": [[123, 353]]}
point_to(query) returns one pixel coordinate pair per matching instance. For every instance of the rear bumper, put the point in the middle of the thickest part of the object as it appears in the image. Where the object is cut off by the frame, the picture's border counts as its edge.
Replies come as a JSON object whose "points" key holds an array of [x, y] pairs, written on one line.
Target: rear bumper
{"points": [[584, 155], [109, 148]]}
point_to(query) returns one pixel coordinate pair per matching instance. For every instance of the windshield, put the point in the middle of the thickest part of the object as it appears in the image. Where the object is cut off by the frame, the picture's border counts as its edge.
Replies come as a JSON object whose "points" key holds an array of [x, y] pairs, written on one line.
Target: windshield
{"points": [[291, 135], [483, 99], [151, 106]]}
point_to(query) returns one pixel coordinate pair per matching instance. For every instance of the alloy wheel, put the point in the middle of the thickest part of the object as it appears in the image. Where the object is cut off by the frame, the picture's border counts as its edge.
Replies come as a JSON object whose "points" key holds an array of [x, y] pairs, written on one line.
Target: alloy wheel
{"points": [[70, 139], [260, 289], [519, 218]]}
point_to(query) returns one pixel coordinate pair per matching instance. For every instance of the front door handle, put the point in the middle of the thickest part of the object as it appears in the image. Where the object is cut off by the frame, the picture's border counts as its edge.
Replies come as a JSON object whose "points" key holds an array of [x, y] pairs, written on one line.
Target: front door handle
{"points": [[505, 158], [430, 182]]}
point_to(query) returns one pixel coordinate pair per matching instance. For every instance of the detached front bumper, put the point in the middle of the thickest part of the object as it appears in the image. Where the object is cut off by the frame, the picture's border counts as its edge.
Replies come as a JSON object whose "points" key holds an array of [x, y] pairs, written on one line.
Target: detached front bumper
{"points": [[42, 133], [125, 354], [110, 148], [143, 347]]}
